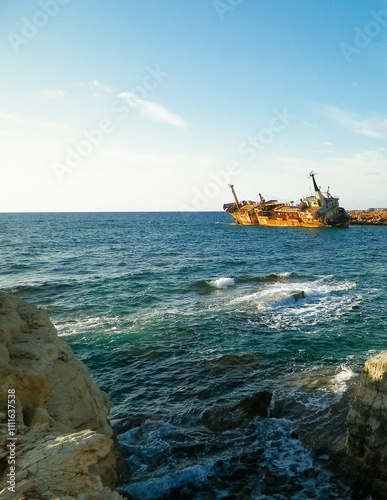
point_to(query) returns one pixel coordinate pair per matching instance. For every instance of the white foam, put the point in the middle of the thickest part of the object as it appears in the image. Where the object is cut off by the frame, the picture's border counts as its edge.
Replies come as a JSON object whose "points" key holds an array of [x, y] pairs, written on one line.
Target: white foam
{"points": [[314, 402], [290, 460], [286, 453], [222, 282], [342, 376], [158, 487], [85, 325], [285, 274], [284, 459], [325, 299], [272, 297]]}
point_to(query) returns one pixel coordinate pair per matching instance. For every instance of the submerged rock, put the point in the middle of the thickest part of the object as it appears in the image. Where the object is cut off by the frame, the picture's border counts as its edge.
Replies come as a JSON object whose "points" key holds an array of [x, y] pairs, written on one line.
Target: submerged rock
{"points": [[65, 445], [223, 418], [234, 362], [298, 295]]}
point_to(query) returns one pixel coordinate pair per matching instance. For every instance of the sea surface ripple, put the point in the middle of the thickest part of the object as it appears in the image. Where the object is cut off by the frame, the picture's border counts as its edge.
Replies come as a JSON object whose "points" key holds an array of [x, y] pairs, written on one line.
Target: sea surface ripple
{"points": [[175, 313]]}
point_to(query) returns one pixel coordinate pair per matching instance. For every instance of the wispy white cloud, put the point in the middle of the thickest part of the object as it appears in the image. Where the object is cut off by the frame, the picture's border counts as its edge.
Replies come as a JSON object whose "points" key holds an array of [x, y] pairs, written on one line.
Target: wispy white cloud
{"points": [[27, 122], [367, 162], [96, 84], [152, 110], [327, 143], [23, 121], [359, 179], [370, 127], [170, 159], [53, 94]]}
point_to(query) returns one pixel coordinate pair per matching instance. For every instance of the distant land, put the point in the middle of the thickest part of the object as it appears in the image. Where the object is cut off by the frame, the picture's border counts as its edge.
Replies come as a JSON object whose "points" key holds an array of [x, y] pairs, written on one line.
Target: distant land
{"points": [[370, 217]]}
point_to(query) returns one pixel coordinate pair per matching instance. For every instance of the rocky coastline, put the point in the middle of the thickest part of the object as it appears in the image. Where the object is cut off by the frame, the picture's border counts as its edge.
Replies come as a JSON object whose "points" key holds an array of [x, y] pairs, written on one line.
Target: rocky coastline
{"points": [[370, 217], [56, 440]]}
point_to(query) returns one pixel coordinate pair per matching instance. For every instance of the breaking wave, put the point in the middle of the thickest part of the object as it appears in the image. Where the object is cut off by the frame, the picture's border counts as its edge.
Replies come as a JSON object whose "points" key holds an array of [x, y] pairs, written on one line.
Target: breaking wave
{"points": [[222, 282], [225, 282], [298, 301]]}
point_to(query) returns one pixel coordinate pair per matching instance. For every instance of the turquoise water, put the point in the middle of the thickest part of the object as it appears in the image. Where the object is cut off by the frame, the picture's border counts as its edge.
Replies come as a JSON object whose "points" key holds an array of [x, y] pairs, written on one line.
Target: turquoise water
{"points": [[175, 313]]}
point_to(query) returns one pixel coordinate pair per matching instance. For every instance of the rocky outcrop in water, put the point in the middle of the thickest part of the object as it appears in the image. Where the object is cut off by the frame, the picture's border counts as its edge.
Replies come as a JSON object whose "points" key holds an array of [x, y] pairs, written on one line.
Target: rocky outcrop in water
{"points": [[226, 417], [367, 425], [56, 440], [371, 217]]}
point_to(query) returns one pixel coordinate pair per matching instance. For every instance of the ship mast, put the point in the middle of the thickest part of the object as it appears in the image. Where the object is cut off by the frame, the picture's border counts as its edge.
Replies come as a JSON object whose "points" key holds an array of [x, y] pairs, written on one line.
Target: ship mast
{"points": [[319, 196], [235, 196]]}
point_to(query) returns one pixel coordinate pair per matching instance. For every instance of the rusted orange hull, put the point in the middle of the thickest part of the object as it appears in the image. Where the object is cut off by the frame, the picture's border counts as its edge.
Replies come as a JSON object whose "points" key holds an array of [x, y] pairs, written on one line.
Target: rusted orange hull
{"points": [[293, 219]]}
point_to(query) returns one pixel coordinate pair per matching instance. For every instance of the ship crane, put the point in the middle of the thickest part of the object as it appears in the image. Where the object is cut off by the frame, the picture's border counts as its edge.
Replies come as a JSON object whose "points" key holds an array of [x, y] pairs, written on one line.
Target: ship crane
{"points": [[235, 196], [318, 194]]}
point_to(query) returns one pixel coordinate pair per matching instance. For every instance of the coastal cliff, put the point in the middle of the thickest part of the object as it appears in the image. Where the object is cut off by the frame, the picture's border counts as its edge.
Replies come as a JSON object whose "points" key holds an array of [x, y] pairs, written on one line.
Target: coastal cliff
{"points": [[367, 425], [56, 440]]}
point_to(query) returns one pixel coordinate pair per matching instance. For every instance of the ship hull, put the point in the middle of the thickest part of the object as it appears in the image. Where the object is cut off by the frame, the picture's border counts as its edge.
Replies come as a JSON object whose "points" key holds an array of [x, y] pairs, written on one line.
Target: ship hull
{"points": [[289, 216], [247, 219]]}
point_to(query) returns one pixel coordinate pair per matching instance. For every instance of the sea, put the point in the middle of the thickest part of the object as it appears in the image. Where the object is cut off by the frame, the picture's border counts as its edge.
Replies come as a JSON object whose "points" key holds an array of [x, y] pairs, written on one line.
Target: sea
{"points": [[175, 314]]}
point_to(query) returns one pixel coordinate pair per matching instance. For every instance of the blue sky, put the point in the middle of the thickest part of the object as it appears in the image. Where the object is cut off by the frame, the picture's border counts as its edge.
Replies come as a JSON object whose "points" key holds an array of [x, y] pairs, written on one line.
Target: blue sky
{"points": [[159, 105]]}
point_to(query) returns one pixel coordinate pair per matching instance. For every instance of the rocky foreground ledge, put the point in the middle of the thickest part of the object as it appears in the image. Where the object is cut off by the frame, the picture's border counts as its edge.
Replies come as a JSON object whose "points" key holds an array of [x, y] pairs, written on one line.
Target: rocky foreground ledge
{"points": [[367, 427], [56, 440]]}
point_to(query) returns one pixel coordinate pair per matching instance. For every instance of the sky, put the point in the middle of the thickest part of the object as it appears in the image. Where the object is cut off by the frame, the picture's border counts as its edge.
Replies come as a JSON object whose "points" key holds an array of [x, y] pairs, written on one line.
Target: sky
{"points": [[145, 105]]}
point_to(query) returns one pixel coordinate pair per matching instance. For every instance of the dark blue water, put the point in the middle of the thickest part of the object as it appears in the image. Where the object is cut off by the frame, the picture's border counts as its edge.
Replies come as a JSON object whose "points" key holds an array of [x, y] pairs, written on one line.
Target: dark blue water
{"points": [[175, 313]]}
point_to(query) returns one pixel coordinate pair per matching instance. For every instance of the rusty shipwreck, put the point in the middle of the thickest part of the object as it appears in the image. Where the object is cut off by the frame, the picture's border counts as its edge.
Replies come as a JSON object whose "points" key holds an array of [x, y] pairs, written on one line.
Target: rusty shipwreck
{"points": [[320, 210]]}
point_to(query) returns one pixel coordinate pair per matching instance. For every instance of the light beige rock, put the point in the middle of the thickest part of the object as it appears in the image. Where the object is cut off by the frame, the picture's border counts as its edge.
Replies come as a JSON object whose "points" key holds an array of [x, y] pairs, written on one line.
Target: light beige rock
{"points": [[65, 446], [367, 423]]}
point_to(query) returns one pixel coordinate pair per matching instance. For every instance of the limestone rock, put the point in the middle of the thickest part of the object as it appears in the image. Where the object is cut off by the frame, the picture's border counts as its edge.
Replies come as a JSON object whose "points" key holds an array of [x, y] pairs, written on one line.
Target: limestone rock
{"points": [[367, 423], [222, 418], [64, 446]]}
